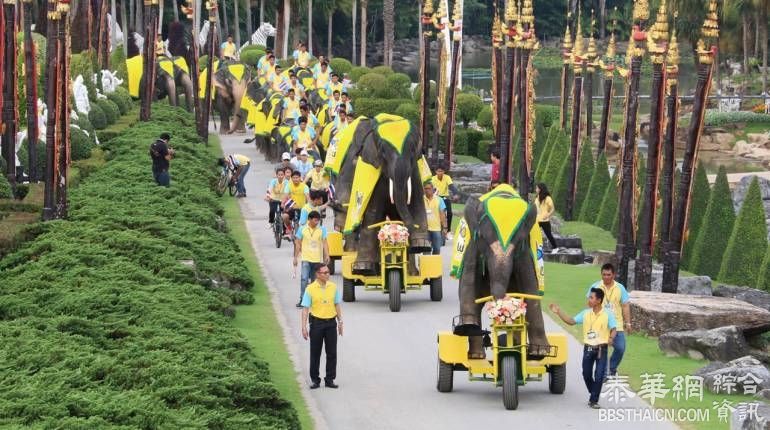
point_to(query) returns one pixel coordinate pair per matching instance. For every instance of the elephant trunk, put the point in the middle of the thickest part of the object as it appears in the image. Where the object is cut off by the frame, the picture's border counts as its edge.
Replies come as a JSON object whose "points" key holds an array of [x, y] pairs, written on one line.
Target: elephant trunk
{"points": [[500, 263]]}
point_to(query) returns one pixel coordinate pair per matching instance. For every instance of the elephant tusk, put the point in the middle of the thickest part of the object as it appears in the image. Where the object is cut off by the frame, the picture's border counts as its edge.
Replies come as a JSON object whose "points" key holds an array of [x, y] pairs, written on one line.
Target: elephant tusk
{"points": [[390, 191], [409, 192]]}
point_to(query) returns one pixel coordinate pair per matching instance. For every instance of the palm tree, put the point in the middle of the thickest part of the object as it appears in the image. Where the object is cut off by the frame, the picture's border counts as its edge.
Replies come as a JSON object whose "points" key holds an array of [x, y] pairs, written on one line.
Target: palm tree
{"points": [[176, 10], [364, 4], [249, 24], [236, 24], [355, 12], [330, 7], [387, 16], [310, 26]]}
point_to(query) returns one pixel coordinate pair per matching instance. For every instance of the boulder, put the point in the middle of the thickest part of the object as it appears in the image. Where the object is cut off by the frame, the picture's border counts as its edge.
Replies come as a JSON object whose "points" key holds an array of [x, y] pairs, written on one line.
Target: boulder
{"points": [[565, 256], [763, 395], [723, 140], [743, 148], [722, 343], [472, 188], [692, 285], [757, 138], [754, 296], [603, 257], [759, 153], [750, 417], [570, 241], [657, 313], [747, 373]]}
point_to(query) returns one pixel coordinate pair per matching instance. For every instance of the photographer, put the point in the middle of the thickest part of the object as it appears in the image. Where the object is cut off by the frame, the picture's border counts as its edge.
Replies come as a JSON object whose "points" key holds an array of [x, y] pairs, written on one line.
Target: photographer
{"points": [[161, 155]]}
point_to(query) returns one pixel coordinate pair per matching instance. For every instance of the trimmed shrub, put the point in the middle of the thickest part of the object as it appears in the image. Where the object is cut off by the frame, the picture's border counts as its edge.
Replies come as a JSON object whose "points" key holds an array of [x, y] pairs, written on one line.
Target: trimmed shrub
{"points": [[592, 204], [541, 136], [417, 93], [698, 204], [382, 70], [82, 64], [484, 118], [251, 54], [548, 114], [84, 123], [474, 137], [340, 65], [461, 143], [97, 117], [468, 107], [712, 241], [560, 186], [485, 146], [118, 64], [111, 111], [409, 111], [80, 144], [559, 153], [398, 85], [372, 106], [584, 175], [123, 107], [747, 247], [542, 163], [372, 85], [606, 216], [764, 275], [358, 71], [123, 93], [23, 155], [6, 192]]}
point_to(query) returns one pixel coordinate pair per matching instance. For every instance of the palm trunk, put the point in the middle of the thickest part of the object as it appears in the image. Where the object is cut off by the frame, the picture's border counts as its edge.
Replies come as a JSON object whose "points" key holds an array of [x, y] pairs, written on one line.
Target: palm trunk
{"points": [[746, 40], [103, 47], [236, 24], [310, 26], [63, 113], [8, 66], [124, 23], [364, 4], [329, 36], [132, 14], [249, 22], [387, 15], [279, 30], [114, 23], [602, 18], [31, 91], [51, 72], [355, 20], [296, 21], [176, 10], [139, 24], [262, 12], [225, 22], [286, 21]]}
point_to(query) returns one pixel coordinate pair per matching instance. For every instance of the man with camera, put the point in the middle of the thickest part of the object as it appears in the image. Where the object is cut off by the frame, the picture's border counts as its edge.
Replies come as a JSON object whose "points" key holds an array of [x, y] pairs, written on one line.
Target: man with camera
{"points": [[161, 155]]}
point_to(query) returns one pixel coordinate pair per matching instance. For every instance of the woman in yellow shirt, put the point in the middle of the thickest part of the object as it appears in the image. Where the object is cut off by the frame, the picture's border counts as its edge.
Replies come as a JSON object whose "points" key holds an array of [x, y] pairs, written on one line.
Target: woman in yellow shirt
{"points": [[545, 209]]}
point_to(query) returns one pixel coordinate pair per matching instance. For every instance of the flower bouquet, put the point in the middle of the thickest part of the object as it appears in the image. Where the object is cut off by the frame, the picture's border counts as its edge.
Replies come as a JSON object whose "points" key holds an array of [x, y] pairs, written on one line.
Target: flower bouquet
{"points": [[505, 311], [393, 235]]}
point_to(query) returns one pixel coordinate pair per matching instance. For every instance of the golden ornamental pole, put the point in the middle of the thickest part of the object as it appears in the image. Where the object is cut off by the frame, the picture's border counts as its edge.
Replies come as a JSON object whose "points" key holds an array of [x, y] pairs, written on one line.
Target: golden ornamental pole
{"points": [[566, 53]]}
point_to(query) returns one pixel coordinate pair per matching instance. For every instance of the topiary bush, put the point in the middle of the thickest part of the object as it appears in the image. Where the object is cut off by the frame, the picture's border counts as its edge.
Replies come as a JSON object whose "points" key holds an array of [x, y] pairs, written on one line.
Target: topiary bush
{"points": [[592, 202], [542, 162], [82, 64], [584, 175], [719, 219], [764, 276], [398, 85], [23, 155], [484, 150], [559, 153], [607, 214], [417, 92], [123, 94], [409, 111], [747, 246], [474, 137], [123, 107], [340, 65], [548, 114], [468, 107], [251, 55], [484, 118], [6, 192], [541, 137], [97, 117], [111, 110], [716, 118], [699, 200], [372, 106], [461, 143], [358, 71], [372, 85], [118, 64], [80, 144], [382, 70]]}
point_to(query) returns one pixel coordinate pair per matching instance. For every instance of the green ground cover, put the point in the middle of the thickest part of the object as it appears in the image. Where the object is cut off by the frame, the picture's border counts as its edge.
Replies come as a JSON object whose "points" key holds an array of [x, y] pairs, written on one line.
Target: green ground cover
{"points": [[103, 322]]}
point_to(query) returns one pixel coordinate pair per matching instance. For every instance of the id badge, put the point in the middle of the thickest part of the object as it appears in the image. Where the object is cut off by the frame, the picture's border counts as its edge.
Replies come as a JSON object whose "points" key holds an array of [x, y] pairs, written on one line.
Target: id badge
{"points": [[591, 335], [429, 211]]}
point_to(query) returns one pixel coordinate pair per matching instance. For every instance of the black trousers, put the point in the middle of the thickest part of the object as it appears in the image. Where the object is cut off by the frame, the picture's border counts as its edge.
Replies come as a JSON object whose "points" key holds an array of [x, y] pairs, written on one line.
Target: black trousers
{"points": [[323, 333], [448, 203], [275, 208], [546, 226]]}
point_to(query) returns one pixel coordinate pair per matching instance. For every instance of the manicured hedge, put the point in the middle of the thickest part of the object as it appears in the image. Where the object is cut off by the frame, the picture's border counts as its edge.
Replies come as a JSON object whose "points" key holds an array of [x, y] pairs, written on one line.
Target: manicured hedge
{"points": [[468, 107], [699, 201], [484, 118], [111, 110], [584, 175], [764, 275], [81, 144], [5, 188], [358, 71], [712, 241], [23, 155], [606, 216], [97, 117], [598, 186], [485, 147], [102, 326], [409, 111], [548, 114], [372, 106], [340, 65]]}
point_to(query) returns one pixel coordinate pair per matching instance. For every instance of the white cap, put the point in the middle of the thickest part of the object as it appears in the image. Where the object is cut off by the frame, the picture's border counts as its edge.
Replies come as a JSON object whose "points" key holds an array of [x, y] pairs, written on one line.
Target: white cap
{"points": [[304, 152], [285, 156], [318, 163]]}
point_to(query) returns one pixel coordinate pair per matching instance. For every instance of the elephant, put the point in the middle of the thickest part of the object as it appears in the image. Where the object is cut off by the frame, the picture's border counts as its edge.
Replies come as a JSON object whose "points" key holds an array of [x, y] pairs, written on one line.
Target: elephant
{"points": [[231, 82], [497, 259], [170, 76], [388, 143]]}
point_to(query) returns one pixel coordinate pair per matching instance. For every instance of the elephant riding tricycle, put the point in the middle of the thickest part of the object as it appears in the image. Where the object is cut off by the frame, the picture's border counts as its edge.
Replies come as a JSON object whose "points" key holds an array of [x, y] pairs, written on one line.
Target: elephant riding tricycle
{"points": [[507, 338], [397, 273]]}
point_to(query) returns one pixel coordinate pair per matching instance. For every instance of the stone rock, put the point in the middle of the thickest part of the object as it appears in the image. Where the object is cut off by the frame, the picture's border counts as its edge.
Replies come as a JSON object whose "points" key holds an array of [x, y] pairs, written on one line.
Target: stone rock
{"points": [[691, 285], [759, 419], [742, 148], [758, 138], [471, 189], [722, 343], [724, 140], [657, 313], [759, 153], [571, 241], [565, 256], [603, 257], [764, 394], [756, 297], [747, 371]]}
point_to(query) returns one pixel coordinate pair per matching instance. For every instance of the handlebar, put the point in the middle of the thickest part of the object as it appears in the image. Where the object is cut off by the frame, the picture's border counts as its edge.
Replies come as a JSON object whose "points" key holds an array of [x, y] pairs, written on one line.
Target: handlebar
{"points": [[514, 295]]}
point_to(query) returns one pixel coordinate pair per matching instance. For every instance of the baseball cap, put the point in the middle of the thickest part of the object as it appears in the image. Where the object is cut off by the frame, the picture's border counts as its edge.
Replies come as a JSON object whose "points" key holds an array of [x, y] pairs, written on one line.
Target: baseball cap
{"points": [[303, 152], [285, 156], [318, 163]]}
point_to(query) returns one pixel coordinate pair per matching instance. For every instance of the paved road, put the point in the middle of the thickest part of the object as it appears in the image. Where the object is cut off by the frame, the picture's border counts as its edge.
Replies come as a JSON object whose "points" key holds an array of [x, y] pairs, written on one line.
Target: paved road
{"points": [[387, 361]]}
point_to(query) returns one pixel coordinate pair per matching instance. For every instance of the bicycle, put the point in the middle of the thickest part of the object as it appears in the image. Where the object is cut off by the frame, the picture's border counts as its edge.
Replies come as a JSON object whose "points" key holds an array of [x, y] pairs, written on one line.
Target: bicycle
{"points": [[278, 230], [227, 182]]}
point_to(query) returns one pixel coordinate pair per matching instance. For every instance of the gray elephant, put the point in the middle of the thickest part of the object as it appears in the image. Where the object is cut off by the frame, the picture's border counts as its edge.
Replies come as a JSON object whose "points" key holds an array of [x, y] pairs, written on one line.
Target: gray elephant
{"points": [[497, 260], [173, 80]]}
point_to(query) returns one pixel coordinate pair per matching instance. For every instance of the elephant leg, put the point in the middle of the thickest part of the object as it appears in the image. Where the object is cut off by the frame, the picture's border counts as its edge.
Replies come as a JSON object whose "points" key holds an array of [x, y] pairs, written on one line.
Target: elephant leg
{"points": [[168, 83], [239, 120], [418, 231], [224, 114], [472, 286], [368, 255], [524, 281]]}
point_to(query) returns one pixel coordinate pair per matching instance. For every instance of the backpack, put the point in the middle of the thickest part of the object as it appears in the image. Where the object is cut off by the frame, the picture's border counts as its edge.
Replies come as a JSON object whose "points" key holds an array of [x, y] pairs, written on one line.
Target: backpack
{"points": [[155, 150]]}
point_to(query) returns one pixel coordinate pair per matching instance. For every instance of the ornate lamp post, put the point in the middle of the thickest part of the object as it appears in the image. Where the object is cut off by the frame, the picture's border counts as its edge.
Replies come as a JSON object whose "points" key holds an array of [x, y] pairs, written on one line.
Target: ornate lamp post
{"points": [[577, 89], [591, 64], [427, 32], [457, 37], [566, 53]]}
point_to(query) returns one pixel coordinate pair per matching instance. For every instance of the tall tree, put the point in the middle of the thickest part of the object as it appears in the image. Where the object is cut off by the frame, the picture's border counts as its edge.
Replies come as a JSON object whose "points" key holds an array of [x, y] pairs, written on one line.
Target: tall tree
{"points": [[354, 16], [249, 21], [364, 4], [176, 9], [236, 24], [388, 7], [310, 26], [225, 23]]}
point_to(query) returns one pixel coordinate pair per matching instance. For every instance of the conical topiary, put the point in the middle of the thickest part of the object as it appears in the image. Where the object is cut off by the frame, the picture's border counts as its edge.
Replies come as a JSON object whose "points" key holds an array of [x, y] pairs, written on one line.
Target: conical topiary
{"points": [[596, 190], [748, 242], [559, 154], [698, 203], [560, 187], [585, 172], [764, 275], [609, 209], [542, 161], [6, 192], [717, 226], [541, 137]]}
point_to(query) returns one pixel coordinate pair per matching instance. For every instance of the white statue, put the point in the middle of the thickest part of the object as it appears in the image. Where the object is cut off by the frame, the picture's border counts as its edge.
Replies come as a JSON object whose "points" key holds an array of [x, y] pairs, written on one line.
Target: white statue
{"points": [[139, 41], [203, 34], [80, 93], [260, 36], [110, 81], [118, 32]]}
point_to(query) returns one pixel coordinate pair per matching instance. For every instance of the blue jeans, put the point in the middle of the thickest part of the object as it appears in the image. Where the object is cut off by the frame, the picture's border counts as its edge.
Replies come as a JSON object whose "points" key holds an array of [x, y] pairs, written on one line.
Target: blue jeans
{"points": [[162, 177], [594, 368], [239, 185], [436, 241], [618, 349], [307, 276]]}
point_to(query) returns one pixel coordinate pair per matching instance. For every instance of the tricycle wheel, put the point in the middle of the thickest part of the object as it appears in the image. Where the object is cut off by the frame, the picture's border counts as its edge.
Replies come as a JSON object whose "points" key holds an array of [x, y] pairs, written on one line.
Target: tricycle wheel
{"points": [[436, 289], [348, 290], [510, 385], [557, 378], [445, 377], [331, 266], [394, 289]]}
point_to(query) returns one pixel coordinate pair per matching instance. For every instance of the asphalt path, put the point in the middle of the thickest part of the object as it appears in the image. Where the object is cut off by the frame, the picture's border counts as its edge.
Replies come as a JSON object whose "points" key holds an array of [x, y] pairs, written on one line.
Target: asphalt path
{"points": [[387, 362]]}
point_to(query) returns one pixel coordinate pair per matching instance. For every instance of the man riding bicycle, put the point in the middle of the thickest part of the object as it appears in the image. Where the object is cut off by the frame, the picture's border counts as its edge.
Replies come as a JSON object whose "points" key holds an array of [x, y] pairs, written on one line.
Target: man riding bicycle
{"points": [[239, 165], [277, 193], [298, 197]]}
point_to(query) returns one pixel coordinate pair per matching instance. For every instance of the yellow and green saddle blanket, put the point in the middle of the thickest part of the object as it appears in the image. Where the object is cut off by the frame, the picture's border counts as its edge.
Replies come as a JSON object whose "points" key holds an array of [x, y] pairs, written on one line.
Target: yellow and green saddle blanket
{"points": [[364, 181], [336, 153], [506, 210], [134, 67], [393, 129], [202, 81]]}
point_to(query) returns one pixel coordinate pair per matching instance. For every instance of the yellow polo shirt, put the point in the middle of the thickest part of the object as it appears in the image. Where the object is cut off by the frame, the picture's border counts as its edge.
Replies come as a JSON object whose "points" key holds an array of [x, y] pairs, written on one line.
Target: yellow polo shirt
{"points": [[322, 300], [544, 208], [614, 297], [319, 180], [297, 193], [596, 327], [433, 208], [442, 185], [312, 240], [228, 50]]}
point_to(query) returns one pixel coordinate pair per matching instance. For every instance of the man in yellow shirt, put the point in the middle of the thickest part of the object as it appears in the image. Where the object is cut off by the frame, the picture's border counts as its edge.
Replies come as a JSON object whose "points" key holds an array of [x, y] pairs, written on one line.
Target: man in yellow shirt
{"points": [[617, 302], [311, 248], [239, 164], [229, 49], [277, 193], [598, 332], [290, 106], [301, 56], [321, 305], [436, 214], [445, 189], [299, 194]]}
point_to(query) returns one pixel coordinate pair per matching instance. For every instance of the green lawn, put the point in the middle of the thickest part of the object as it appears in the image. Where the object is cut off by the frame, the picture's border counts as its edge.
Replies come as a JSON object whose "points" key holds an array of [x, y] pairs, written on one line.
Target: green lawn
{"points": [[467, 159], [594, 238], [257, 322], [567, 286]]}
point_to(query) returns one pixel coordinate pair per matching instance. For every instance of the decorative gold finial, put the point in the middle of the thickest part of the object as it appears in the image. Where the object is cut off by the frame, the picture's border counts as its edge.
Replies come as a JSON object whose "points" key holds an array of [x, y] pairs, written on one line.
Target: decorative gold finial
{"points": [[641, 10], [457, 22], [427, 7], [591, 54], [608, 63], [658, 37], [528, 12], [710, 29], [577, 51], [510, 11], [497, 33], [672, 59]]}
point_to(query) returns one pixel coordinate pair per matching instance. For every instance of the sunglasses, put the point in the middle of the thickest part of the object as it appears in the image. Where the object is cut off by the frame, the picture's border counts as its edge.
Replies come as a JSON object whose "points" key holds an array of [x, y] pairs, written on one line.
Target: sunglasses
{"points": [[325, 272]]}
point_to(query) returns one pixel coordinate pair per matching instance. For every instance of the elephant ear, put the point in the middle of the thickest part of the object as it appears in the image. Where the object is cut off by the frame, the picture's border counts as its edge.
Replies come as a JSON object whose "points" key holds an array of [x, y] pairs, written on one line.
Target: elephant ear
{"points": [[473, 211], [530, 218], [369, 147]]}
